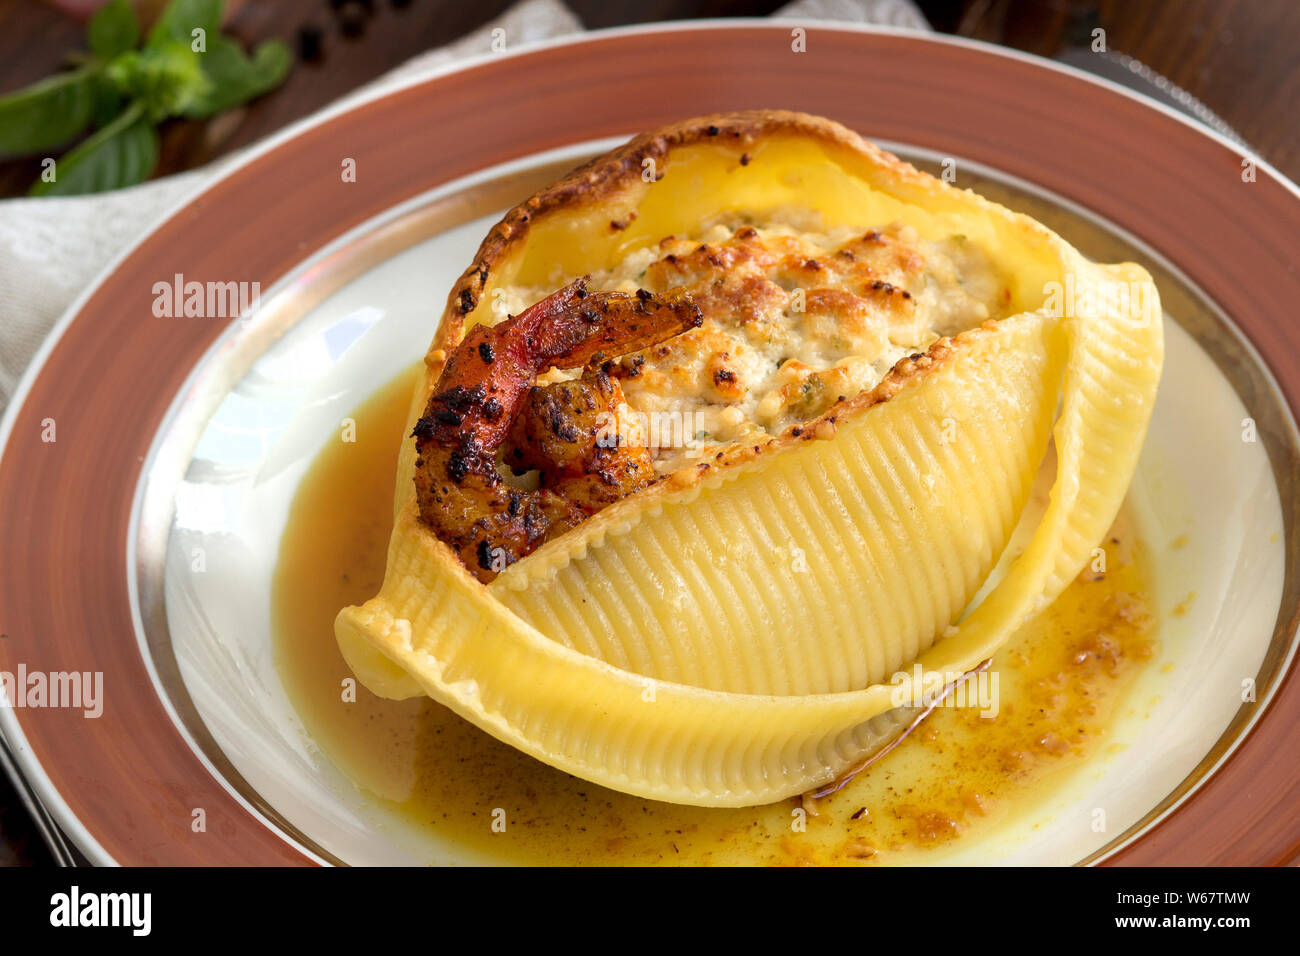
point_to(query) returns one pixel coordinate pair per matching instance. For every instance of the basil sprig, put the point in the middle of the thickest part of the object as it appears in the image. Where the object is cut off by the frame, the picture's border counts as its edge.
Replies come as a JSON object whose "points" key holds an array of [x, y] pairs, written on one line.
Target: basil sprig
{"points": [[122, 91]]}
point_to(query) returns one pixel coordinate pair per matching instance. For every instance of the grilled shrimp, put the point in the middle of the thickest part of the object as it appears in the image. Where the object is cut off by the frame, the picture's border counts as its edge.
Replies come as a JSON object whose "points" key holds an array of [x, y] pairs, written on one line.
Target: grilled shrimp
{"points": [[486, 395], [565, 433]]}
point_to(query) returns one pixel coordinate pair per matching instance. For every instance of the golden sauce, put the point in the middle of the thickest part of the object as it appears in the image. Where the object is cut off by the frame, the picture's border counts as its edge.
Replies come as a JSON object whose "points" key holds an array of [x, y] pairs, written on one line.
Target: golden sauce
{"points": [[1061, 681]]}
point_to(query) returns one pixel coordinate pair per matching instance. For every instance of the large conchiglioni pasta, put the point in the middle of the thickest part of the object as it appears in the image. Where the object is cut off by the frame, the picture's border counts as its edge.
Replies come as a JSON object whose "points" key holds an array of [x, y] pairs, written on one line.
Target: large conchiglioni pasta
{"points": [[873, 366]]}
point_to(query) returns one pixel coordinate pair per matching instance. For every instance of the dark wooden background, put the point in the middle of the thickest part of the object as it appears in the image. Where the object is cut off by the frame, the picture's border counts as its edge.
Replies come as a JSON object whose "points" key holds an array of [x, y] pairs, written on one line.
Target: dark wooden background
{"points": [[1240, 57]]}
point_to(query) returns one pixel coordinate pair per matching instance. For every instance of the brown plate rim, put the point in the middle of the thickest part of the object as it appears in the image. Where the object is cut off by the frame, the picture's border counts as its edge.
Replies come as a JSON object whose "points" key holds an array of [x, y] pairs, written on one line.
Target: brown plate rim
{"points": [[36, 613]]}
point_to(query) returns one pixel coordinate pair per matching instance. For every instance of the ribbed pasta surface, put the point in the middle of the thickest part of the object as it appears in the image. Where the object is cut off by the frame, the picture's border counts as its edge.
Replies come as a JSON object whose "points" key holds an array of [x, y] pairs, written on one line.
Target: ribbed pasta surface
{"points": [[668, 740], [825, 567], [733, 643]]}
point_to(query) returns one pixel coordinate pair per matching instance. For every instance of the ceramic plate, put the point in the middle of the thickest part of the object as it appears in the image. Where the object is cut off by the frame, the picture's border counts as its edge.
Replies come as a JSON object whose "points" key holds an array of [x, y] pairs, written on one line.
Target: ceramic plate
{"points": [[177, 437]]}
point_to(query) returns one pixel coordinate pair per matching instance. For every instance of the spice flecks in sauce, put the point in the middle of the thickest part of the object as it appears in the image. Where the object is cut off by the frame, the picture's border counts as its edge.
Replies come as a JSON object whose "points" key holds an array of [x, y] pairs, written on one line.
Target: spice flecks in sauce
{"points": [[1062, 681]]}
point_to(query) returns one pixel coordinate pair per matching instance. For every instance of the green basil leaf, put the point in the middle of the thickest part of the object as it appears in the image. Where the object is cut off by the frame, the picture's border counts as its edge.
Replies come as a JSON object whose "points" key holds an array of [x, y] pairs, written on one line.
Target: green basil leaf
{"points": [[123, 153], [182, 17], [167, 79], [47, 114], [113, 30], [271, 63], [236, 78], [109, 101]]}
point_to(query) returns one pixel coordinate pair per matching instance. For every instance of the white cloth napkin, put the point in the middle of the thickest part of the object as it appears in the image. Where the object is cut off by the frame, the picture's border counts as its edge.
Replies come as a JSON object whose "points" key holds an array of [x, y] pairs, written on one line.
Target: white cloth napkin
{"points": [[51, 249]]}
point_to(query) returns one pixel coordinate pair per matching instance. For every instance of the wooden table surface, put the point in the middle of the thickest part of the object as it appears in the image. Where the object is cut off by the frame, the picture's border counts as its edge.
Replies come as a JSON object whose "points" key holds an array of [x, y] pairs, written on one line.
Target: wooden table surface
{"points": [[1237, 56]]}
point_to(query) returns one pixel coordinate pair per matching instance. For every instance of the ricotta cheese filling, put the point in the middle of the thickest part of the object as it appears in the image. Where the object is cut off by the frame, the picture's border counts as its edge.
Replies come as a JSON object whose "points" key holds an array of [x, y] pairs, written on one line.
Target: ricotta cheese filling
{"points": [[795, 319]]}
